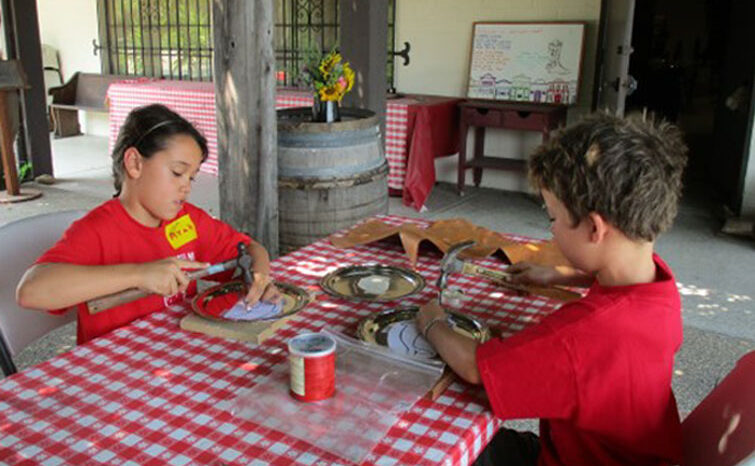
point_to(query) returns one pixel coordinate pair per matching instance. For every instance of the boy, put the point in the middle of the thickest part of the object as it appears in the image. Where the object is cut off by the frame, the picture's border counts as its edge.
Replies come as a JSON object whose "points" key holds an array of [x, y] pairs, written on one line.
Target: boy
{"points": [[597, 371]]}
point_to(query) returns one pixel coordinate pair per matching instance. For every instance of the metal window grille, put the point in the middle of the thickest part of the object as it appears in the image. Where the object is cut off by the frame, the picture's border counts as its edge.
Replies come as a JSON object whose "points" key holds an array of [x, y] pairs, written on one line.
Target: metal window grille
{"points": [[159, 38], [173, 38]]}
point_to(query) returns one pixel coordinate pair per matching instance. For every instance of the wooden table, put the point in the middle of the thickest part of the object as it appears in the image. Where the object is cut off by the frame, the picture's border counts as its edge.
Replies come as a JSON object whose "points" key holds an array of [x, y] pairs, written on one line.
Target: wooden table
{"points": [[148, 392], [482, 114]]}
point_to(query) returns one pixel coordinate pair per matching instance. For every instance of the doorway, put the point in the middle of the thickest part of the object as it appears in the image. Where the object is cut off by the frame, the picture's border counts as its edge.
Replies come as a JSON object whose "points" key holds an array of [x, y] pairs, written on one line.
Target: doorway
{"points": [[687, 62]]}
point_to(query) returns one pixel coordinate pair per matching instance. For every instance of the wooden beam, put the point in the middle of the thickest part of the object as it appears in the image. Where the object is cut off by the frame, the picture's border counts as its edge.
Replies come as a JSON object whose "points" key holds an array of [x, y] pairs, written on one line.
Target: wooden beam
{"points": [[364, 43], [244, 70], [28, 50]]}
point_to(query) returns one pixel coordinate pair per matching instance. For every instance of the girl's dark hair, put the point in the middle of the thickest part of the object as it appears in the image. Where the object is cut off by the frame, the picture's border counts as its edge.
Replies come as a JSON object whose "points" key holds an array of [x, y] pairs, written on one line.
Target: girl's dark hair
{"points": [[149, 129]]}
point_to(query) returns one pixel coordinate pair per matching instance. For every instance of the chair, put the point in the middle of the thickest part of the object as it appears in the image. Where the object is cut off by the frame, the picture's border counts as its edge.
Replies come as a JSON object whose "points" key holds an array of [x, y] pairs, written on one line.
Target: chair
{"points": [[51, 75], [21, 243], [721, 429]]}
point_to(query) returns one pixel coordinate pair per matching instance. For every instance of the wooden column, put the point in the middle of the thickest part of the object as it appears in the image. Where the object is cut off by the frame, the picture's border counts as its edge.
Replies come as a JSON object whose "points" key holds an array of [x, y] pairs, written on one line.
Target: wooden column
{"points": [[28, 50], [12, 80], [246, 121], [364, 43]]}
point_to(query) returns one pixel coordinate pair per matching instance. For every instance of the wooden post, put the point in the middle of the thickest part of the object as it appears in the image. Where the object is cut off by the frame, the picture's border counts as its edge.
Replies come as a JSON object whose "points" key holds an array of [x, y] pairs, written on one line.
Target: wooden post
{"points": [[33, 100], [364, 43], [245, 98], [6, 142], [12, 78]]}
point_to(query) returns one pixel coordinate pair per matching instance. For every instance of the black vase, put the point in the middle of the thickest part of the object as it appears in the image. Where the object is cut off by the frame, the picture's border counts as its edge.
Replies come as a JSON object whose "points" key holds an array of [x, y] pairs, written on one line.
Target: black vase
{"points": [[325, 111]]}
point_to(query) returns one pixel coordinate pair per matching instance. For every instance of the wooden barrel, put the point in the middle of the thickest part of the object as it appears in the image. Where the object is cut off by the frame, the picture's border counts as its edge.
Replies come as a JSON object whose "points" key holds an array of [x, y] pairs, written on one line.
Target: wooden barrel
{"points": [[330, 175]]}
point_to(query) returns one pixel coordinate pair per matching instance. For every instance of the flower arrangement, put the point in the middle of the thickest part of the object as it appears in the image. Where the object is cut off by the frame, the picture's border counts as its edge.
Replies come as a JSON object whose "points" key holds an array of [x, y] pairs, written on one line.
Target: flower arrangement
{"points": [[329, 76]]}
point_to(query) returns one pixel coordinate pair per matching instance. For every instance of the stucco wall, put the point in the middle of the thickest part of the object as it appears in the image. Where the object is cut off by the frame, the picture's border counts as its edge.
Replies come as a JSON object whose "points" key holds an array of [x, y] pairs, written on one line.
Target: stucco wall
{"points": [[70, 26], [440, 34]]}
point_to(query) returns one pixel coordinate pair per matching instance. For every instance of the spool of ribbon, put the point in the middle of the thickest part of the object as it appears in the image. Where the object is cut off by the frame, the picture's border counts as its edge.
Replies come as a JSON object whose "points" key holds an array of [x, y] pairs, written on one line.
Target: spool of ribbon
{"points": [[312, 361]]}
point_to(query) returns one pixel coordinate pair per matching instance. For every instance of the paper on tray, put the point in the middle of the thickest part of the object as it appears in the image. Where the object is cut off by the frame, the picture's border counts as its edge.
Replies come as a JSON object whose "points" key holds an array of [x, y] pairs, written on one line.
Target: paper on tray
{"points": [[260, 311]]}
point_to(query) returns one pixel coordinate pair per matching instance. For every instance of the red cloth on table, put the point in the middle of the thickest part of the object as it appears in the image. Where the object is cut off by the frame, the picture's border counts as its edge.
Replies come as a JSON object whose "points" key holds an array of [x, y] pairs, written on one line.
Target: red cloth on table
{"points": [[434, 128], [598, 374], [109, 235]]}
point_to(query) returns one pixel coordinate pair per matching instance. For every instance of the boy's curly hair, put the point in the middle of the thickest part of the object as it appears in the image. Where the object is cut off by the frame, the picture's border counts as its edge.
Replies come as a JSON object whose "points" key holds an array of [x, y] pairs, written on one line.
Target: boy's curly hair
{"points": [[628, 170]]}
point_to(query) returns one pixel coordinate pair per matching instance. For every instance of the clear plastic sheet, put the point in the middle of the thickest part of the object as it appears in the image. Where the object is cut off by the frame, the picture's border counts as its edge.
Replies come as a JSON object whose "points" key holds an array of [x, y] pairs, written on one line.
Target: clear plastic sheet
{"points": [[373, 388]]}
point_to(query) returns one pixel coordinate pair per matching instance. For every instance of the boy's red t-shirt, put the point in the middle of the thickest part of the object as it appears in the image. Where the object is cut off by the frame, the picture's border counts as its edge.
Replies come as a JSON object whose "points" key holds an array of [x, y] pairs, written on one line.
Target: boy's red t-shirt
{"points": [[109, 235], [597, 372]]}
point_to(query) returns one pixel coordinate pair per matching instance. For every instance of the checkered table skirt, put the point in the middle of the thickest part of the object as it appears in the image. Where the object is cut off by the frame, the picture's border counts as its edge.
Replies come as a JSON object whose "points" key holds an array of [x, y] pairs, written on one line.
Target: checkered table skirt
{"points": [[195, 101], [148, 393]]}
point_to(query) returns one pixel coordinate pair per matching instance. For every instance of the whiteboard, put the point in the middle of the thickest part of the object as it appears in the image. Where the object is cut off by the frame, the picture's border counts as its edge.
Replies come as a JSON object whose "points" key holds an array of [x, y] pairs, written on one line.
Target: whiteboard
{"points": [[526, 62]]}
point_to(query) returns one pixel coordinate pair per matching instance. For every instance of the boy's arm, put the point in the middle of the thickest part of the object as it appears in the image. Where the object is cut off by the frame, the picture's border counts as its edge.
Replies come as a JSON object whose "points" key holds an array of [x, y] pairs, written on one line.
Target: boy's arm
{"points": [[527, 273], [59, 285], [458, 351]]}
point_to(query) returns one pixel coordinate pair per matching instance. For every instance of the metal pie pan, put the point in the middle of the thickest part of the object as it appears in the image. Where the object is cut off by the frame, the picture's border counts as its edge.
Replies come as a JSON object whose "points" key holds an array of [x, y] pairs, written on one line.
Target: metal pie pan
{"points": [[294, 299], [374, 329], [386, 283]]}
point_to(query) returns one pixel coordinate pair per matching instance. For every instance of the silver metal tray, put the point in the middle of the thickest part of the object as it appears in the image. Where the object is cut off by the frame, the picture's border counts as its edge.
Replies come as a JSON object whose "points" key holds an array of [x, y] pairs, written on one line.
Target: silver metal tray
{"points": [[372, 283], [294, 299], [393, 329]]}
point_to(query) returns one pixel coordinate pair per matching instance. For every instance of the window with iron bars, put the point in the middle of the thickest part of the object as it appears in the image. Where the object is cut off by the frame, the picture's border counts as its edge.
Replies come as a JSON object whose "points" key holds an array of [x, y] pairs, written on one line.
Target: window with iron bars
{"points": [[173, 38]]}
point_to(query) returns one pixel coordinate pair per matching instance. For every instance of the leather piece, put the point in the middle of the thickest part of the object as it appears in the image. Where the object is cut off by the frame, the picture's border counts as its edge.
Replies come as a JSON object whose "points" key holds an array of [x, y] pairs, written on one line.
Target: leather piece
{"points": [[445, 233]]}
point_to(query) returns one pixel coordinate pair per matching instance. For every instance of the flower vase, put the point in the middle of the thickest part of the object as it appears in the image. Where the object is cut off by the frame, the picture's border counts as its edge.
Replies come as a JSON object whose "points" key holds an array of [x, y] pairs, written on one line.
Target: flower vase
{"points": [[325, 111]]}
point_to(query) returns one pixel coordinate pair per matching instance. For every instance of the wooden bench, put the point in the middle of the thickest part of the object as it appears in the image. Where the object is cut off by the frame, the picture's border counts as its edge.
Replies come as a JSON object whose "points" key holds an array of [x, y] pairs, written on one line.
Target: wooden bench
{"points": [[84, 91]]}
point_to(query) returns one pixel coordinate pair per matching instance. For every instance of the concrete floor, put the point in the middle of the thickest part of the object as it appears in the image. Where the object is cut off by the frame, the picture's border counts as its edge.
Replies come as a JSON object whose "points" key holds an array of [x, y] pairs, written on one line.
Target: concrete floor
{"points": [[714, 271]]}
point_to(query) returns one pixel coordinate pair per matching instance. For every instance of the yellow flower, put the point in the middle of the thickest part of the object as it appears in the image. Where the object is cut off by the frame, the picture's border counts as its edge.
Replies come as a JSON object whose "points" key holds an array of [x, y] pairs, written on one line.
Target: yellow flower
{"points": [[329, 93], [327, 63], [348, 74]]}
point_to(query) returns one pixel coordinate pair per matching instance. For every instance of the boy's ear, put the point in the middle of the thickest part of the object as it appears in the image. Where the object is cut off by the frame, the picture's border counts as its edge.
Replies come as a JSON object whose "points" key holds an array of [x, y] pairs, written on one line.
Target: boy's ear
{"points": [[132, 162], [599, 227]]}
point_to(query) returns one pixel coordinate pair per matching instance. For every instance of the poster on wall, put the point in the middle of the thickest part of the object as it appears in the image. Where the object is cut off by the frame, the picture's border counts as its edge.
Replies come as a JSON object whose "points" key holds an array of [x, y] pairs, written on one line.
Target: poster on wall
{"points": [[526, 62]]}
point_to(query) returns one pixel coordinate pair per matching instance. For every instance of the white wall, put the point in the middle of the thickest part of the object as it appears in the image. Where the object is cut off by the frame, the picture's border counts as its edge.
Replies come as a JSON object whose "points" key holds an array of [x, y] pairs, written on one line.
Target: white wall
{"points": [[440, 34], [70, 26]]}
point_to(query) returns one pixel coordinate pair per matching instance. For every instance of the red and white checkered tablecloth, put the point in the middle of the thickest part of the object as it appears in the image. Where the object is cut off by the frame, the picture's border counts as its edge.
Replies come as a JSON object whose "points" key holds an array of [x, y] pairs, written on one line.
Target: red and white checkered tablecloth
{"points": [[147, 393], [195, 101]]}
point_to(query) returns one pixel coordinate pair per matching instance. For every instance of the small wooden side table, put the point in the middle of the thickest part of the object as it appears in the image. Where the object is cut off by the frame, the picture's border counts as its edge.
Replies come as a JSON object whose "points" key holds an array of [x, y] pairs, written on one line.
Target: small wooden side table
{"points": [[506, 115]]}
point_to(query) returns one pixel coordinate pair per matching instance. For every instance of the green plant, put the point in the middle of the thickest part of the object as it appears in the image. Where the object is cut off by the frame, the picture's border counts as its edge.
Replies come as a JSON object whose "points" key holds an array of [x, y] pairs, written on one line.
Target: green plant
{"points": [[25, 172]]}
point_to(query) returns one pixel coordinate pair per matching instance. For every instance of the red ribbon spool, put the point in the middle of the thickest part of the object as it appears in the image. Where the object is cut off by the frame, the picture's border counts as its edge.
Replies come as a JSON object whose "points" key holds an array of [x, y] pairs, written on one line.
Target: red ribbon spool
{"points": [[312, 361]]}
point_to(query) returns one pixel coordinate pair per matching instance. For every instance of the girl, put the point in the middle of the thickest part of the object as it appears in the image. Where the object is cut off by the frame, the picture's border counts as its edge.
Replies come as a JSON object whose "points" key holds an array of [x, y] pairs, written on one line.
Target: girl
{"points": [[145, 237]]}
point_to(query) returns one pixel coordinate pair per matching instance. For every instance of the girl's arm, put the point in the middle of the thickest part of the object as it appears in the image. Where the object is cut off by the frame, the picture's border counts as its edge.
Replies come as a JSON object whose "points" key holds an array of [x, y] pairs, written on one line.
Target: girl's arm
{"points": [[263, 286], [57, 285], [458, 351]]}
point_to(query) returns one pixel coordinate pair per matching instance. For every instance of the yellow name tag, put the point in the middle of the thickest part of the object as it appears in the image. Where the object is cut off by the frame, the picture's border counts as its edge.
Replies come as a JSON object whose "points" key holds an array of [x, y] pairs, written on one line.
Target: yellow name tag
{"points": [[180, 231]]}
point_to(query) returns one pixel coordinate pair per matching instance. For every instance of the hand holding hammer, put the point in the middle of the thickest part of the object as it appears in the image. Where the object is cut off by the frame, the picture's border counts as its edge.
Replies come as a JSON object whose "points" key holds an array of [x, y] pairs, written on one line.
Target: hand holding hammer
{"points": [[243, 261], [451, 263]]}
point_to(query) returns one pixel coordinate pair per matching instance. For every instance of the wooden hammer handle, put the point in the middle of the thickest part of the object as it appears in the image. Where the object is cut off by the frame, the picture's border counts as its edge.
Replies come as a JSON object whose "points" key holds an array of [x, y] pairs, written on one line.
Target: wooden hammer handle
{"points": [[132, 294]]}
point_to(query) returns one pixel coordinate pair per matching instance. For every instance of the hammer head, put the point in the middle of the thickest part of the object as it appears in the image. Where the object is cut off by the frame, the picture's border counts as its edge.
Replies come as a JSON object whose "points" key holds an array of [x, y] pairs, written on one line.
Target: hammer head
{"points": [[451, 262], [244, 263]]}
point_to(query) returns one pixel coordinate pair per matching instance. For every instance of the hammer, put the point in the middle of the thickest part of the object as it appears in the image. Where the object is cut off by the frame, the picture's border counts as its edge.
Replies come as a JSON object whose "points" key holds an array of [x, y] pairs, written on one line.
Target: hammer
{"points": [[452, 264], [243, 262]]}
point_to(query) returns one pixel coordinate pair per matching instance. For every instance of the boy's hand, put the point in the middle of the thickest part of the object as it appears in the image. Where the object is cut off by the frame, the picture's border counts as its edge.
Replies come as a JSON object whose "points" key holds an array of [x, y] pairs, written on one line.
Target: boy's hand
{"points": [[527, 273], [262, 288], [428, 312], [166, 277]]}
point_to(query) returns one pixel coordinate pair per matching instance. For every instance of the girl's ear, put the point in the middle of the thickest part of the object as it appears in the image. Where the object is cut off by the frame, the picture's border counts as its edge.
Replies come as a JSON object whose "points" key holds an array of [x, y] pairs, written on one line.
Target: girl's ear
{"points": [[132, 162], [599, 227]]}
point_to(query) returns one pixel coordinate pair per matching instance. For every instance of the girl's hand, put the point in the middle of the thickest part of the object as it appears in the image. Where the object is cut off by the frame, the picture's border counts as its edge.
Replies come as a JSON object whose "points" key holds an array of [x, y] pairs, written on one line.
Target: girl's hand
{"points": [[527, 273], [166, 277], [262, 288], [428, 312]]}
